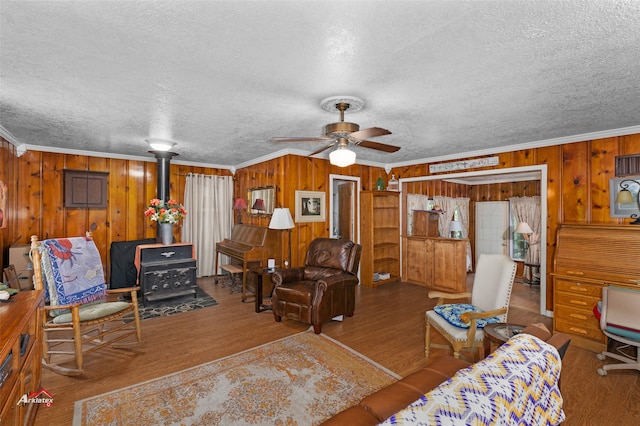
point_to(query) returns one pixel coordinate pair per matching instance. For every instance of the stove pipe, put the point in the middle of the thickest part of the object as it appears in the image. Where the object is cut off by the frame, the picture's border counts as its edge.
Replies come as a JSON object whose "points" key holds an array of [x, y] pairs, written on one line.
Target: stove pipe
{"points": [[163, 173]]}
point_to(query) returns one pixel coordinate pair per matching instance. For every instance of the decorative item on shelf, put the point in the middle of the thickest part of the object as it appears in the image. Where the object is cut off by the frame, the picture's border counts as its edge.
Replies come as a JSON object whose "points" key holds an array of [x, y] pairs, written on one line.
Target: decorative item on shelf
{"points": [[166, 214], [393, 184], [238, 206], [625, 196], [281, 219], [259, 205], [380, 184]]}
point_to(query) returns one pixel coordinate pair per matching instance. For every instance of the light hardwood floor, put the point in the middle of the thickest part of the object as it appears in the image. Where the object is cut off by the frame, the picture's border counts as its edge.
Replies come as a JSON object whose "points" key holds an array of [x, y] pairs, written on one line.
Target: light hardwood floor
{"points": [[388, 327]]}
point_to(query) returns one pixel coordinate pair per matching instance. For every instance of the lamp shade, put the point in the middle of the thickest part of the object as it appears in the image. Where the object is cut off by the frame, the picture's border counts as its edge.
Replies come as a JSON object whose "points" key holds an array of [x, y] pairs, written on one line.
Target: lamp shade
{"points": [[259, 204], [455, 226], [281, 219], [160, 144], [523, 228], [624, 197], [239, 204], [342, 157]]}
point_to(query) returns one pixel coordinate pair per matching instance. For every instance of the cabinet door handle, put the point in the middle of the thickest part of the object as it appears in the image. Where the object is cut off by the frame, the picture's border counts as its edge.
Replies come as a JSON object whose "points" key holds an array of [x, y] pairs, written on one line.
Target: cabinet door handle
{"points": [[580, 289], [578, 330], [578, 302], [578, 316], [575, 272]]}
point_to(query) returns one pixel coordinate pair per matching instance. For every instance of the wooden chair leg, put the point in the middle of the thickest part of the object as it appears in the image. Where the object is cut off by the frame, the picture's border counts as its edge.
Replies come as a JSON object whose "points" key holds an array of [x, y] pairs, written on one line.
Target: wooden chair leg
{"points": [[427, 340], [77, 336], [136, 315]]}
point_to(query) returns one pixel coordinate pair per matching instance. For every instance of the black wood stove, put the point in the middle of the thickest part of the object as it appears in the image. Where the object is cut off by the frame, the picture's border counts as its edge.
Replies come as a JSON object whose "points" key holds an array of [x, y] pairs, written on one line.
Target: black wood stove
{"points": [[167, 271]]}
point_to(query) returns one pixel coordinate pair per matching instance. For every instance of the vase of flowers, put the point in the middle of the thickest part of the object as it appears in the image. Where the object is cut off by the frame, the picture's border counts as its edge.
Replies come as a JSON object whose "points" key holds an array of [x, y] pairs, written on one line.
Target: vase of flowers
{"points": [[167, 214]]}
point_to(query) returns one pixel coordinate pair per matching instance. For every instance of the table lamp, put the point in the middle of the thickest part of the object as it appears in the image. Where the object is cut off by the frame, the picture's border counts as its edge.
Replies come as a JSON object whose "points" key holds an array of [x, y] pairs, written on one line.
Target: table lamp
{"points": [[281, 219], [238, 206]]}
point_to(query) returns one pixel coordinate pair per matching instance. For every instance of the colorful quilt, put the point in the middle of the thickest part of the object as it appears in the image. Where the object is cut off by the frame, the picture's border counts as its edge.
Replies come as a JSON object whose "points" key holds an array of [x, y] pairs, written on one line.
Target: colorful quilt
{"points": [[516, 385], [73, 271]]}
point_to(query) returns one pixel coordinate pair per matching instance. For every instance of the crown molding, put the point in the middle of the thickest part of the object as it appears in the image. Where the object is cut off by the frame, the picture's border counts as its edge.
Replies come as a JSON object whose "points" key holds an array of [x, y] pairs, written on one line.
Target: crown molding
{"points": [[8, 136], [427, 160]]}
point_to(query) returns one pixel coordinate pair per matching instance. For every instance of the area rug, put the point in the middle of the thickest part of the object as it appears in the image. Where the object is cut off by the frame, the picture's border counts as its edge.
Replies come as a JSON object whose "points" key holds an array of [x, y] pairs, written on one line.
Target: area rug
{"points": [[299, 380], [176, 305]]}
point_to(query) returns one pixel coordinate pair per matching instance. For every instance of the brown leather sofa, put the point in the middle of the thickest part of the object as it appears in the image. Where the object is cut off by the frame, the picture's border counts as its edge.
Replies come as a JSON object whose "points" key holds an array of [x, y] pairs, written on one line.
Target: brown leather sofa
{"points": [[384, 403], [321, 289]]}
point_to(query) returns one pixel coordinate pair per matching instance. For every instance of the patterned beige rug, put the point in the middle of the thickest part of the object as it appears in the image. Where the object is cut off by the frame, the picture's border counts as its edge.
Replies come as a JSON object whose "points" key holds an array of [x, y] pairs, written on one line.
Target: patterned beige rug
{"points": [[299, 380]]}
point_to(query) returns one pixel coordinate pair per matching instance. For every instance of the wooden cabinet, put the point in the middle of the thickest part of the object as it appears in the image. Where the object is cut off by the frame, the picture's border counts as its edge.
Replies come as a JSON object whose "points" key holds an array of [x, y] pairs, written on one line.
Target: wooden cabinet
{"points": [[436, 263], [425, 223], [21, 347], [589, 257], [380, 236]]}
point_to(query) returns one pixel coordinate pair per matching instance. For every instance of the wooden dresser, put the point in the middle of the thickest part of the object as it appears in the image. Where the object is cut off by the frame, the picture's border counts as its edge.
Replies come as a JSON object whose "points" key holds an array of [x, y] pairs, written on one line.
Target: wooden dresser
{"points": [[589, 257], [20, 323]]}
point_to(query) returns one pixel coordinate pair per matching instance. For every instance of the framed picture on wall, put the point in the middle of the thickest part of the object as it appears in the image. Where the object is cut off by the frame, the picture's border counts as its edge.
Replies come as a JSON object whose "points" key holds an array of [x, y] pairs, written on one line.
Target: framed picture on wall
{"points": [[310, 206]]}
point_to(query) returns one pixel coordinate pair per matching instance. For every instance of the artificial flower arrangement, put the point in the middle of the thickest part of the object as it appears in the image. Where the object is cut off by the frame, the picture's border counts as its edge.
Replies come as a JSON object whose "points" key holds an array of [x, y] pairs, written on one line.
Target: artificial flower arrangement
{"points": [[169, 212]]}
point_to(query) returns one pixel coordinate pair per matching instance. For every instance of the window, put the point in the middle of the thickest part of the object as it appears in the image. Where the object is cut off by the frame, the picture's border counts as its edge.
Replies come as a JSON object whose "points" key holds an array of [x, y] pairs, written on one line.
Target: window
{"points": [[517, 243]]}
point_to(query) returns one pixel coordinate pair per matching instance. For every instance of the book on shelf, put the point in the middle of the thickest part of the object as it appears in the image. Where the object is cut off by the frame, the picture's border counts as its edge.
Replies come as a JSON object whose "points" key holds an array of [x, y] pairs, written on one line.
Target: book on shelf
{"points": [[377, 276]]}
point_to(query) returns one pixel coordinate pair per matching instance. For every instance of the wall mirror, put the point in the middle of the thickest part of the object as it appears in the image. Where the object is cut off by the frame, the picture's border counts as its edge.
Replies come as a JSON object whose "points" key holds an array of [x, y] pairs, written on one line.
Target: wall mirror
{"points": [[261, 200]]}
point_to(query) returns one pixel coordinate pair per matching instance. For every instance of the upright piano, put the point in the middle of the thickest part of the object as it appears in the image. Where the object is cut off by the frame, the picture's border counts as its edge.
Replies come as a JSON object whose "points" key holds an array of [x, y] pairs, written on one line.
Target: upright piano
{"points": [[250, 246]]}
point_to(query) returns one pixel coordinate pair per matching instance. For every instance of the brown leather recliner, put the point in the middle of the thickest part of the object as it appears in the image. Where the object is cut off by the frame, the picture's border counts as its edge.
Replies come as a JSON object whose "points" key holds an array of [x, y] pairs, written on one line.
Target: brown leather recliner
{"points": [[322, 289]]}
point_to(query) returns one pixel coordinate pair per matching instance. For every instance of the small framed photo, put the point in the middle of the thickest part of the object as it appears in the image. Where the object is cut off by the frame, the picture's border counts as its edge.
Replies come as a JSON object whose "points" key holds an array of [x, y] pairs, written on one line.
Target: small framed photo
{"points": [[310, 206]]}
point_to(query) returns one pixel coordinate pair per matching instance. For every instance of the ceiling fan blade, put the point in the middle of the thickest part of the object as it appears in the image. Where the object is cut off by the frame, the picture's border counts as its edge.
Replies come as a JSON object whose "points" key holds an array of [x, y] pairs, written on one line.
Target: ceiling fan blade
{"points": [[377, 145], [369, 133], [302, 139], [318, 151]]}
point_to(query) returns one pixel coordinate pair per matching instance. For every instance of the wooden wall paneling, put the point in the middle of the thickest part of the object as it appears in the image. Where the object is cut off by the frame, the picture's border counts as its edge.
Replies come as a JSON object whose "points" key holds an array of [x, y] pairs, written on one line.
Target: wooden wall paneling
{"points": [[603, 153], [150, 191], [53, 214], [96, 219], [29, 197], [523, 157], [629, 144], [76, 222], [575, 183], [121, 201]]}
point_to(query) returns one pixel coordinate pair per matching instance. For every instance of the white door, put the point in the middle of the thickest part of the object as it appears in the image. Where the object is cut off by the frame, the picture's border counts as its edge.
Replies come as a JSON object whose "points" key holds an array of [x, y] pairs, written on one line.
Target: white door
{"points": [[492, 227]]}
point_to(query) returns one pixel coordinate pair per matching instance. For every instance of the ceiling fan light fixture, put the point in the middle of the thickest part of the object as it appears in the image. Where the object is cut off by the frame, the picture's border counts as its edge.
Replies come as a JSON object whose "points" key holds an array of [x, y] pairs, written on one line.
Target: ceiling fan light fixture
{"points": [[342, 157], [160, 144]]}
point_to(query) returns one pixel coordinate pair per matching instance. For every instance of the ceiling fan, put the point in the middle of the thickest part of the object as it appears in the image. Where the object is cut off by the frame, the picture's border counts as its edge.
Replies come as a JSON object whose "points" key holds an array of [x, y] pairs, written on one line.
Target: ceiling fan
{"points": [[342, 133]]}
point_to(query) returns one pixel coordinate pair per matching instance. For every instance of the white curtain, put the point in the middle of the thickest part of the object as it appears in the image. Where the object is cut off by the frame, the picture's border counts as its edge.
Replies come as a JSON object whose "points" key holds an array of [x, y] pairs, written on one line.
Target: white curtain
{"points": [[209, 203], [463, 208], [415, 202], [447, 204], [528, 209]]}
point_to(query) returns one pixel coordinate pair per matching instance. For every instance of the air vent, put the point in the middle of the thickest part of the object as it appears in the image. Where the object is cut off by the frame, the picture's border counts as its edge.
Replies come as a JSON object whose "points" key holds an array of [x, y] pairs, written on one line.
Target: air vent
{"points": [[627, 165]]}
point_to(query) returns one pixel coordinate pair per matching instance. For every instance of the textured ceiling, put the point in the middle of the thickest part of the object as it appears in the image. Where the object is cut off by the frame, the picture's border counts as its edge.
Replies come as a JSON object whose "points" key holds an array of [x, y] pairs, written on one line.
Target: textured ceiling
{"points": [[222, 78]]}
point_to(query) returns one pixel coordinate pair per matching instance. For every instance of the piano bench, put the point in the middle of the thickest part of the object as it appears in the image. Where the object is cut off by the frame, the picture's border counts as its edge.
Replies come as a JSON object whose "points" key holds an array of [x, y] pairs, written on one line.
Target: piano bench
{"points": [[235, 273]]}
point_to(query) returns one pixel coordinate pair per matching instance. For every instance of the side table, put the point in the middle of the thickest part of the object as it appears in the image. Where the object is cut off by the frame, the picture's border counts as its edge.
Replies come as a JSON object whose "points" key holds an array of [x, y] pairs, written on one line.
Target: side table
{"points": [[498, 333], [261, 273], [534, 273]]}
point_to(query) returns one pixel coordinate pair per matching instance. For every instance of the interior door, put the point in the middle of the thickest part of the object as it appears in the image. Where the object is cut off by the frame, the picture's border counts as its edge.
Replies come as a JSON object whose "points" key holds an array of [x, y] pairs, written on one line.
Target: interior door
{"points": [[345, 215], [492, 227]]}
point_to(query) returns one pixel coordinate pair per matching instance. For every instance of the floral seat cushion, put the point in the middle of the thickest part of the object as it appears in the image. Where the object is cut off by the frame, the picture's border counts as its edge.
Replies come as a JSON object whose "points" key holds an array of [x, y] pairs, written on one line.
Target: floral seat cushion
{"points": [[452, 312]]}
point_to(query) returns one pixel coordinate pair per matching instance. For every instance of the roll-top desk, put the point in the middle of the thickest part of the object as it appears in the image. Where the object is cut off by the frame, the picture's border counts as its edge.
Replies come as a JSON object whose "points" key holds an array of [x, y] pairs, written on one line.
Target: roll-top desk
{"points": [[589, 257]]}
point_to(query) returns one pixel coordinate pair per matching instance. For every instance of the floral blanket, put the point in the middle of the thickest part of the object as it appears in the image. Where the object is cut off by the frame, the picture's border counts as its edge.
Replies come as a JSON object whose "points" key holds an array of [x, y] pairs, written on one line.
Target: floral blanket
{"points": [[73, 271], [516, 385]]}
